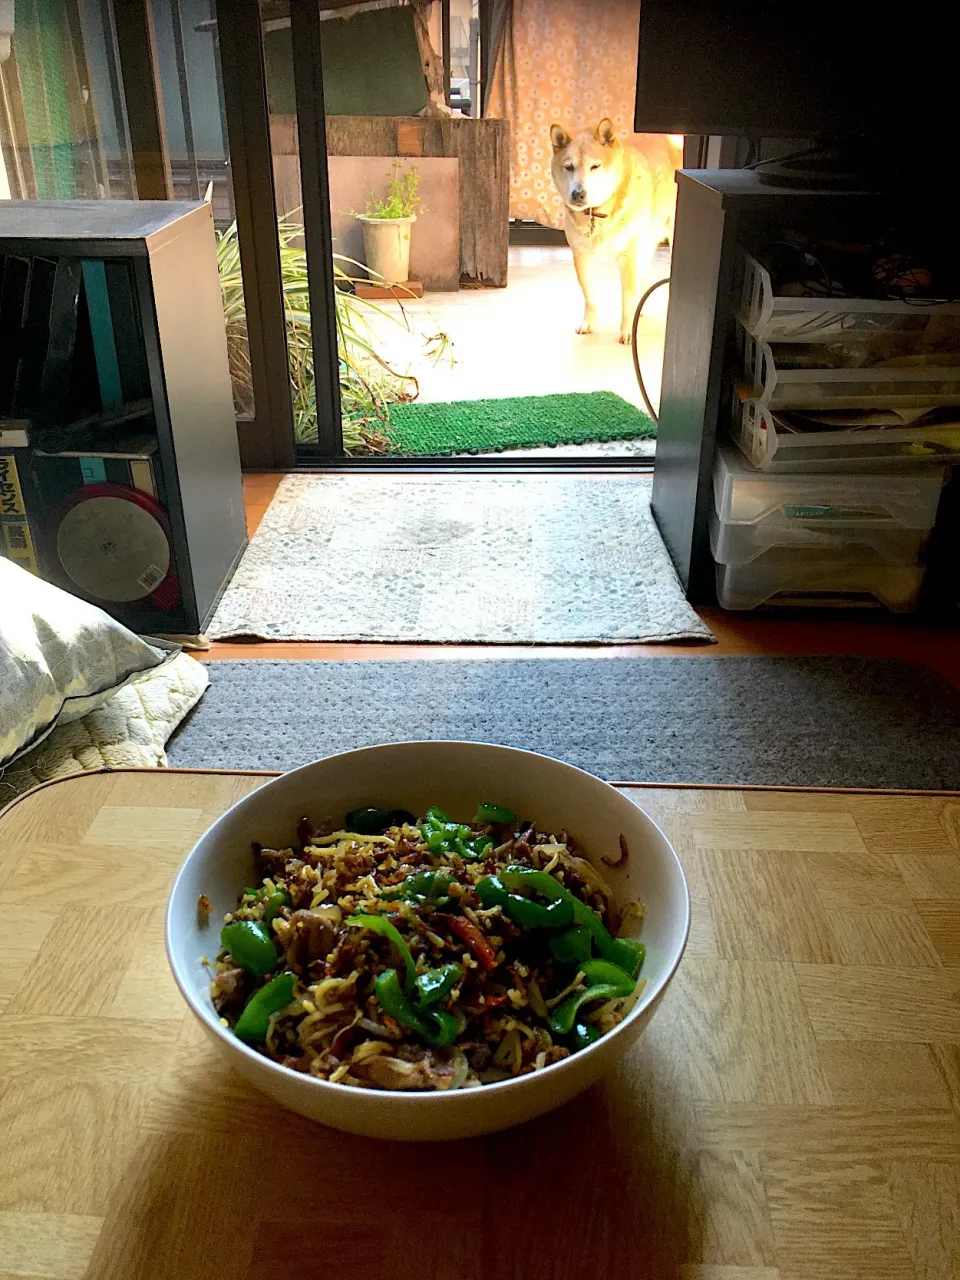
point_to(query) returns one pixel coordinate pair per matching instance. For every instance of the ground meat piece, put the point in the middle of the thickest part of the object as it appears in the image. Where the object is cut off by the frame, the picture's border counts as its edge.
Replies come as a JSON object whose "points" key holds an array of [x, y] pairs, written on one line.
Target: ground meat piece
{"points": [[311, 938], [479, 1058], [271, 862], [345, 1039], [343, 958], [352, 865], [301, 891], [307, 832], [229, 991], [523, 845]]}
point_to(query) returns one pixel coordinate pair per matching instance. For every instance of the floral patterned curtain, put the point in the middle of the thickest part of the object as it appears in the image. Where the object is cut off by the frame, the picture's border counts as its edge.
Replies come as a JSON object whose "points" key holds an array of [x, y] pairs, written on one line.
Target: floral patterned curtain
{"points": [[570, 61]]}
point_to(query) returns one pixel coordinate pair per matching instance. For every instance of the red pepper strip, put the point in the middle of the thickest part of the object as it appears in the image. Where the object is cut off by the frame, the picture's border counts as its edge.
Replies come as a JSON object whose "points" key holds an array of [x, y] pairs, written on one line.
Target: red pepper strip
{"points": [[486, 1004], [475, 940]]}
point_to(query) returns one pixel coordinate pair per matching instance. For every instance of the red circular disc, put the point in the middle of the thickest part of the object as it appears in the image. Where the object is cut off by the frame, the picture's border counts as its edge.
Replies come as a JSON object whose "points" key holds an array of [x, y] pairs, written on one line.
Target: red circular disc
{"points": [[114, 542]]}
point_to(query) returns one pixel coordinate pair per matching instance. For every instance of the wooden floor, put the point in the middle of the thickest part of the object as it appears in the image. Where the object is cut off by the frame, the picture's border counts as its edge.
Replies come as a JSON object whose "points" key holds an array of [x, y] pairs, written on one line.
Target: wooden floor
{"points": [[872, 636], [791, 1113]]}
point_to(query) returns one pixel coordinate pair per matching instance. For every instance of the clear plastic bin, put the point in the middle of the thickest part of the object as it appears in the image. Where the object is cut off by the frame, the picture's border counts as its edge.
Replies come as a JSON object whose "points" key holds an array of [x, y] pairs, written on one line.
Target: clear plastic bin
{"points": [[780, 386], [770, 446], [743, 495], [738, 544], [766, 315], [795, 577]]}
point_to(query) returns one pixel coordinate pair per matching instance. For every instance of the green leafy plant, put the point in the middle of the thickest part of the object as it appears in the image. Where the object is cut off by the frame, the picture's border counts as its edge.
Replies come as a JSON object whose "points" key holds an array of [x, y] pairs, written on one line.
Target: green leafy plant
{"points": [[368, 385], [402, 199]]}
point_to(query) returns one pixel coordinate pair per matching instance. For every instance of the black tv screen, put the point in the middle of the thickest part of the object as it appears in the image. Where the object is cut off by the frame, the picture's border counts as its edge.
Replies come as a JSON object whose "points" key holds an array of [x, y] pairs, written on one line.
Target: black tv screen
{"points": [[797, 70]]}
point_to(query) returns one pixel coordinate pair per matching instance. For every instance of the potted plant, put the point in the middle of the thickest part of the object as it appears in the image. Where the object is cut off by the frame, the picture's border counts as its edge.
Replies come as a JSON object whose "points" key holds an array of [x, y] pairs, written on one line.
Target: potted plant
{"points": [[386, 226]]}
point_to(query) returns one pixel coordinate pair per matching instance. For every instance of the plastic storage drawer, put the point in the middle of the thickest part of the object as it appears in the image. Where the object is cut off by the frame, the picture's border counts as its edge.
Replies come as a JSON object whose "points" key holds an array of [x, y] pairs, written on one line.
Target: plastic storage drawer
{"points": [[799, 578], [780, 385], [767, 315], [739, 544], [743, 495], [771, 446]]}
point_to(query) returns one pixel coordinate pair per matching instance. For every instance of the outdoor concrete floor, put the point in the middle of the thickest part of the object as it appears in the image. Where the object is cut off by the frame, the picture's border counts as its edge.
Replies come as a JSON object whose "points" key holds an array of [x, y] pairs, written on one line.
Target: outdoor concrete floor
{"points": [[522, 341]]}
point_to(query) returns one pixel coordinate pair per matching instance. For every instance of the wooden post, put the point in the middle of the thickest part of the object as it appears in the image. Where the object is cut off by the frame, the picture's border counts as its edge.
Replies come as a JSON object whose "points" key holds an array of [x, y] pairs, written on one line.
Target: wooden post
{"points": [[137, 46]]}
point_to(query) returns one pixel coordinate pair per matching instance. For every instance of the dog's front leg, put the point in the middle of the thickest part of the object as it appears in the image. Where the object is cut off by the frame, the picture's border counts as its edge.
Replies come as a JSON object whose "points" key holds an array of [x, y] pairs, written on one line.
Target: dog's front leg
{"points": [[630, 294], [584, 268]]}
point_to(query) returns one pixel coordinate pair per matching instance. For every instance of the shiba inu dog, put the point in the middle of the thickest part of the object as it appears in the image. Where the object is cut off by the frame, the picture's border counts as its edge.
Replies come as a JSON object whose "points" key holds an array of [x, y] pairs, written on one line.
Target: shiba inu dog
{"points": [[619, 204]]}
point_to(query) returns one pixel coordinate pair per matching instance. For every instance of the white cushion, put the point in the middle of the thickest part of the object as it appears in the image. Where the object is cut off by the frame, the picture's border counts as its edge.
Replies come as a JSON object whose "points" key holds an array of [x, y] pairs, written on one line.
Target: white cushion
{"points": [[59, 658], [128, 732]]}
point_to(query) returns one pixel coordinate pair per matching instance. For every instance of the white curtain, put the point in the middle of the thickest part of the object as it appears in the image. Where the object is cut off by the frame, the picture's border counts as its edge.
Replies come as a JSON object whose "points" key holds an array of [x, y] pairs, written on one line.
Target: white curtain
{"points": [[569, 61]]}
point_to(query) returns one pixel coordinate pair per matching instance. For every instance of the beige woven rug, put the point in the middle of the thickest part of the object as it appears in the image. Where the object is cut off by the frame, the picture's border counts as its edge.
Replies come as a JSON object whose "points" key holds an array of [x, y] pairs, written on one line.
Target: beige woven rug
{"points": [[499, 559]]}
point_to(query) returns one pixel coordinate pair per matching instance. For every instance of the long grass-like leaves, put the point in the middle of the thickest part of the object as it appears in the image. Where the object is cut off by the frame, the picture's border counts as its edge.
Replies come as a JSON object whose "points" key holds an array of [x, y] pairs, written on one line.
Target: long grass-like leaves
{"points": [[368, 385]]}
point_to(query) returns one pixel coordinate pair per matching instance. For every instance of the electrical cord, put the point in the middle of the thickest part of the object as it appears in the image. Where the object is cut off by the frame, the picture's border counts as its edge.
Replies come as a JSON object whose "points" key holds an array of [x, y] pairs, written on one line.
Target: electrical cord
{"points": [[633, 346], [791, 155]]}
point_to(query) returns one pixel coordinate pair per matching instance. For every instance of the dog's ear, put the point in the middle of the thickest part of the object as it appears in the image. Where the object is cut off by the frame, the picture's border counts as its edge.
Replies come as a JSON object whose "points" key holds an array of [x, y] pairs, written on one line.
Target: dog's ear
{"points": [[559, 137], [605, 133]]}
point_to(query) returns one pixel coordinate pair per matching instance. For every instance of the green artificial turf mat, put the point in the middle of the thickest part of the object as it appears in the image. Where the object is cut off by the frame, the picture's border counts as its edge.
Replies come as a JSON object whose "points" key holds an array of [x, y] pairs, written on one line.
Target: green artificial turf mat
{"points": [[487, 426]]}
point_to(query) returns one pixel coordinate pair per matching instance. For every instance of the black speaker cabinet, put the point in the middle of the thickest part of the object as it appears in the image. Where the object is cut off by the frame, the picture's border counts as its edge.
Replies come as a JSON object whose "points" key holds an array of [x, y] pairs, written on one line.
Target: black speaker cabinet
{"points": [[119, 466]]}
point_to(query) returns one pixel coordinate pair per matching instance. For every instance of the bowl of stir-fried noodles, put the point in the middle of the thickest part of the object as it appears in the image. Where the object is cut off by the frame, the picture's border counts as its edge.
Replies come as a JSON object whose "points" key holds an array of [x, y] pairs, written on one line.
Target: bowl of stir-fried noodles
{"points": [[427, 940]]}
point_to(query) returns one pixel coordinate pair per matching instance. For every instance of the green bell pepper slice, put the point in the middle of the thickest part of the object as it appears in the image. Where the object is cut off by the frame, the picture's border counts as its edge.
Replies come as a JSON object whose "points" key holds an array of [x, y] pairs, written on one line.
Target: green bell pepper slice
{"points": [[605, 981], [533, 915], [584, 1035], [433, 985], [275, 904], [436, 1026], [573, 945], [437, 839], [626, 954], [369, 821], [623, 952], [444, 836], [491, 891], [494, 813], [251, 945], [414, 889], [525, 911], [381, 925], [426, 888], [438, 893], [472, 850], [254, 1023]]}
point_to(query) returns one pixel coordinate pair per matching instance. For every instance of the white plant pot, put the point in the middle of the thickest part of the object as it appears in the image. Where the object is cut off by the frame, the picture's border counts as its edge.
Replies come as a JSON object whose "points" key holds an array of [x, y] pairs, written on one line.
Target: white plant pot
{"points": [[386, 247]]}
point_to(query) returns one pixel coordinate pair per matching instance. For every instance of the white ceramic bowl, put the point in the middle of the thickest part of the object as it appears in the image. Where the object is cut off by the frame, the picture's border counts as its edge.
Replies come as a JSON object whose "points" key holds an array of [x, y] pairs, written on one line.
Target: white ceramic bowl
{"points": [[414, 775]]}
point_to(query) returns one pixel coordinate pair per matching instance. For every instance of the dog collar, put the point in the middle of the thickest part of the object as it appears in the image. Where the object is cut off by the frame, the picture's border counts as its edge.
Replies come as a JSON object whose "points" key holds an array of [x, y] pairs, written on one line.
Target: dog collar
{"points": [[593, 215]]}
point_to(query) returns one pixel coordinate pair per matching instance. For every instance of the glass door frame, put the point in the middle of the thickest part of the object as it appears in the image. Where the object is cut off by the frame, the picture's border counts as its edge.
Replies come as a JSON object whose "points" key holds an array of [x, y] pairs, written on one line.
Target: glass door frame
{"points": [[267, 440], [266, 436]]}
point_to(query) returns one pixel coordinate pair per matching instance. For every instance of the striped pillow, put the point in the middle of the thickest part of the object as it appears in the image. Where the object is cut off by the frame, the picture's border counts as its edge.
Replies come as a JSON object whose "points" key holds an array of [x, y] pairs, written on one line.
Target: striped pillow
{"points": [[59, 658]]}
